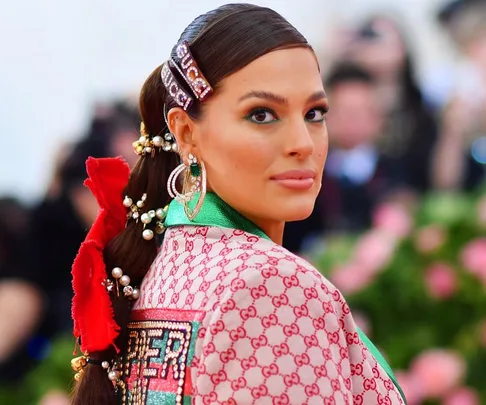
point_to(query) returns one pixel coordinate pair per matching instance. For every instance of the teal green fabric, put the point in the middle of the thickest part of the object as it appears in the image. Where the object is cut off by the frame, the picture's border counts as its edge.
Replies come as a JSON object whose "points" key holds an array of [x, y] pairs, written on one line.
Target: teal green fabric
{"points": [[215, 212]]}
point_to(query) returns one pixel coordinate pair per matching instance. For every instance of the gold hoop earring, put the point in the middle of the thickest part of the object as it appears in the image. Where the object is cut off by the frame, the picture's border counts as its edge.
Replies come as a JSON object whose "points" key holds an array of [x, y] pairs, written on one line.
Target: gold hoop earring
{"points": [[194, 185]]}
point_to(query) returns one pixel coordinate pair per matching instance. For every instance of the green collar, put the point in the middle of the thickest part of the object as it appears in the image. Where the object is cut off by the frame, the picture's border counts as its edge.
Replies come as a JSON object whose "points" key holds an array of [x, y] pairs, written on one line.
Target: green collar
{"points": [[215, 212]]}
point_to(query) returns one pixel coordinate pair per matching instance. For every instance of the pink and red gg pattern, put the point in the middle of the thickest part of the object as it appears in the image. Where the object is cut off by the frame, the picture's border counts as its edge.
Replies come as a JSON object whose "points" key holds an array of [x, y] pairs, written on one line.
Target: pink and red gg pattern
{"points": [[275, 331]]}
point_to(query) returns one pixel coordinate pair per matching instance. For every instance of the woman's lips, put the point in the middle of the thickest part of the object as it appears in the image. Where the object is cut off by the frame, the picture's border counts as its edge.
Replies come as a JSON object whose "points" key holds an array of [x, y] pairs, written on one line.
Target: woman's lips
{"points": [[295, 179]]}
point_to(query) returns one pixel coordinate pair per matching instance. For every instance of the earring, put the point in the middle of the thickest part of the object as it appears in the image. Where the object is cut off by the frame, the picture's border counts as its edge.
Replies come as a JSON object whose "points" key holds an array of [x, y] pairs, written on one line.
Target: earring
{"points": [[194, 183], [170, 144]]}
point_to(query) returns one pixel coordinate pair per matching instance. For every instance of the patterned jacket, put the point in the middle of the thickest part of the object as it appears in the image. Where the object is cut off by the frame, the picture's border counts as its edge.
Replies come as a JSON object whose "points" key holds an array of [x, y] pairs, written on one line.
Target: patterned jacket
{"points": [[226, 317]]}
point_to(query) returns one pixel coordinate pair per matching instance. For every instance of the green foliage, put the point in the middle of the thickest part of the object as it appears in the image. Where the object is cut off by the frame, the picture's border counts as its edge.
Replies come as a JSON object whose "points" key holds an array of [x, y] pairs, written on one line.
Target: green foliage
{"points": [[406, 317], [54, 373]]}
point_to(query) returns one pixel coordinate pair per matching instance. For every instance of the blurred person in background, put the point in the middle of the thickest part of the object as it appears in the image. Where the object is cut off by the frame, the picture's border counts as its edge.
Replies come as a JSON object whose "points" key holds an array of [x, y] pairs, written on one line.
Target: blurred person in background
{"points": [[460, 156], [62, 219], [358, 175], [410, 126], [21, 304]]}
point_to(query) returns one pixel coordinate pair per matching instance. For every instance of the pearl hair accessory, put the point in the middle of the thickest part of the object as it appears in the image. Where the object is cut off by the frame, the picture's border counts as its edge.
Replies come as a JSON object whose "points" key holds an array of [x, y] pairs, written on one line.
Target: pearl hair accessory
{"points": [[159, 214], [113, 368], [149, 145], [146, 218], [134, 208], [114, 371], [124, 281]]}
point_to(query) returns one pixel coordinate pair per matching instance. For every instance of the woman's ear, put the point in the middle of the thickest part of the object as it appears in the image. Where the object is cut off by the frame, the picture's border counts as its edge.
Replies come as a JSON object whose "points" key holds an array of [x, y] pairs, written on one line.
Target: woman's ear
{"points": [[182, 127]]}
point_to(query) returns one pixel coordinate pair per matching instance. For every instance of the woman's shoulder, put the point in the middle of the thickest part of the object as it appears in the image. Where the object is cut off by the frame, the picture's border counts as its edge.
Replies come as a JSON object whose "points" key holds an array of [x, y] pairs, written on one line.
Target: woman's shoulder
{"points": [[228, 258], [267, 264]]}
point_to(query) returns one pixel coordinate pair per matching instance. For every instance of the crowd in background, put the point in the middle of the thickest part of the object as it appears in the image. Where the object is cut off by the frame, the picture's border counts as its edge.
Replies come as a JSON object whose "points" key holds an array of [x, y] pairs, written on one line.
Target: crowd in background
{"points": [[390, 140]]}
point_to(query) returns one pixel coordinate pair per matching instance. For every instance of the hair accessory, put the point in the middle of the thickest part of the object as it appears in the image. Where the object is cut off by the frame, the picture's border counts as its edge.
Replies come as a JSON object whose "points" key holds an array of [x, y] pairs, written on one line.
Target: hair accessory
{"points": [[186, 66], [147, 218], [113, 368], [174, 88], [78, 364], [147, 145], [194, 183], [124, 280], [191, 72], [170, 141], [170, 144], [92, 309], [134, 208], [159, 214]]}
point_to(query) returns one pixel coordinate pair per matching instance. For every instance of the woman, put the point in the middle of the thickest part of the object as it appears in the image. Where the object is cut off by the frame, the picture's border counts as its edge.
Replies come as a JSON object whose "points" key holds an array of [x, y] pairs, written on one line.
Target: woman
{"points": [[224, 314]]}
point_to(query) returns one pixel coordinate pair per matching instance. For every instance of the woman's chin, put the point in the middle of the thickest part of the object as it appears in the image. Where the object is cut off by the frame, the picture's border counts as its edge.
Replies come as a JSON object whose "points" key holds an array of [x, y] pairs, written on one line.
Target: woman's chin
{"points": [[293, 211]]}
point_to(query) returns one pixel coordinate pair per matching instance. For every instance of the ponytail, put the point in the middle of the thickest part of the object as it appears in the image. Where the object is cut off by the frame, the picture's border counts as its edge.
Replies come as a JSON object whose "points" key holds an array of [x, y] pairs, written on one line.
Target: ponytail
{"points": [[128, 249]]}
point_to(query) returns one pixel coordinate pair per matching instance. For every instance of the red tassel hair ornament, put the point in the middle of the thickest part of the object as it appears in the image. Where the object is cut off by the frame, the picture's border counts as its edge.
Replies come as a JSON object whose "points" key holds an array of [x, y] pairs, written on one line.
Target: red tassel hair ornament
{"points": [[92, 311]]}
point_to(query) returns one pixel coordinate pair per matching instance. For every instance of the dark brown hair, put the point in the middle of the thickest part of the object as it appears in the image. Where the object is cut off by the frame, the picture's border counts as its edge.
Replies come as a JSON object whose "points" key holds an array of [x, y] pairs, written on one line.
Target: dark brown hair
{"points": [[222, 42]]}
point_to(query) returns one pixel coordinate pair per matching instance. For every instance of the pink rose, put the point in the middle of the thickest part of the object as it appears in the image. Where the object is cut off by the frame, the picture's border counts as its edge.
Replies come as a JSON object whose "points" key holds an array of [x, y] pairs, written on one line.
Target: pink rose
{"points": [[473, 258], [374, 251], [441, 280], [462, 396], [393, 219], [439, 371], [411, 387], [351, 278], [430, 238]]}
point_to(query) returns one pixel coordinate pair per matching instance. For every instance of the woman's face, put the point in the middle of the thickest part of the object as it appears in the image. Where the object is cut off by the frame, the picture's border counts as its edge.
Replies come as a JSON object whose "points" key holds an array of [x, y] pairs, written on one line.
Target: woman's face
{"points": [[263, 137]]}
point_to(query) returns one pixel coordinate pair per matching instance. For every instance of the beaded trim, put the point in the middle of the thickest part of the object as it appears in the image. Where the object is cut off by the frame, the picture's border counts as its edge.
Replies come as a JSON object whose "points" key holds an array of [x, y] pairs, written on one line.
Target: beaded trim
{"points": [[140, 350]]}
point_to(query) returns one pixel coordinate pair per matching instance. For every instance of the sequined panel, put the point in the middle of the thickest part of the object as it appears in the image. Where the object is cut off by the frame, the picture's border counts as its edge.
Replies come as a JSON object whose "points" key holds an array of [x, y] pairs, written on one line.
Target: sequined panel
{"points": [[156, 368]]}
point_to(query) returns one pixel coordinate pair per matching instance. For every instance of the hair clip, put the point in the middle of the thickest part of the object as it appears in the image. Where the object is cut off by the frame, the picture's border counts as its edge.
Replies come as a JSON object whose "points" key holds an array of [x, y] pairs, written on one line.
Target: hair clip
{"points": [[174, 88], [134, 208], [147, 217], [124, 280], [78, 364], [146, 145], [191, 72]]}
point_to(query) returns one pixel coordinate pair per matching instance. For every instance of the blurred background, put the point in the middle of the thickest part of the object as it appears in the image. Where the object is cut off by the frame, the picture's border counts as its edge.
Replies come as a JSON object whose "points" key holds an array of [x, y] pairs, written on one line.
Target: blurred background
{"points": [[399, 225]]}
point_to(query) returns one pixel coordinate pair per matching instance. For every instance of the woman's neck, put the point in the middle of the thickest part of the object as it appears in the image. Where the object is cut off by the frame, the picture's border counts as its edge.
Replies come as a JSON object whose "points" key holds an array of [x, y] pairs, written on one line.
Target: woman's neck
{"points": [[273, 229]]}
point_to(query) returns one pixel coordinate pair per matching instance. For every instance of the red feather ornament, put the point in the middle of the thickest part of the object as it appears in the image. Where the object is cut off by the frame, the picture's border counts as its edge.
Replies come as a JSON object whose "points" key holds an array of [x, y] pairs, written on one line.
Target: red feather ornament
{"points": [[92, 310]]}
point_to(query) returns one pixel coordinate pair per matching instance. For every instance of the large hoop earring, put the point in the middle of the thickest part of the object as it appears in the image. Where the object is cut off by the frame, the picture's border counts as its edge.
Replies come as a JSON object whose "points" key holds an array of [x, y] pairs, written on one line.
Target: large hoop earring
{"points": [[194, 184]]}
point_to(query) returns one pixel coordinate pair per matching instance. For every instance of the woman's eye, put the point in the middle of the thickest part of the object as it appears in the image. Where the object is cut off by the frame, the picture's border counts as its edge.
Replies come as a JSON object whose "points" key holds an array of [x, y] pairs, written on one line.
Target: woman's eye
{"points": [[262, 116], [316, 115]]}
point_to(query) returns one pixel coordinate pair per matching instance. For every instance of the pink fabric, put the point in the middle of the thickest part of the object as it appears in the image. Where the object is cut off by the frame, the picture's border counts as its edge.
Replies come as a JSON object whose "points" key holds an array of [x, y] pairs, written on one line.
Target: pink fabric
{"points": [[274, 332]]}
